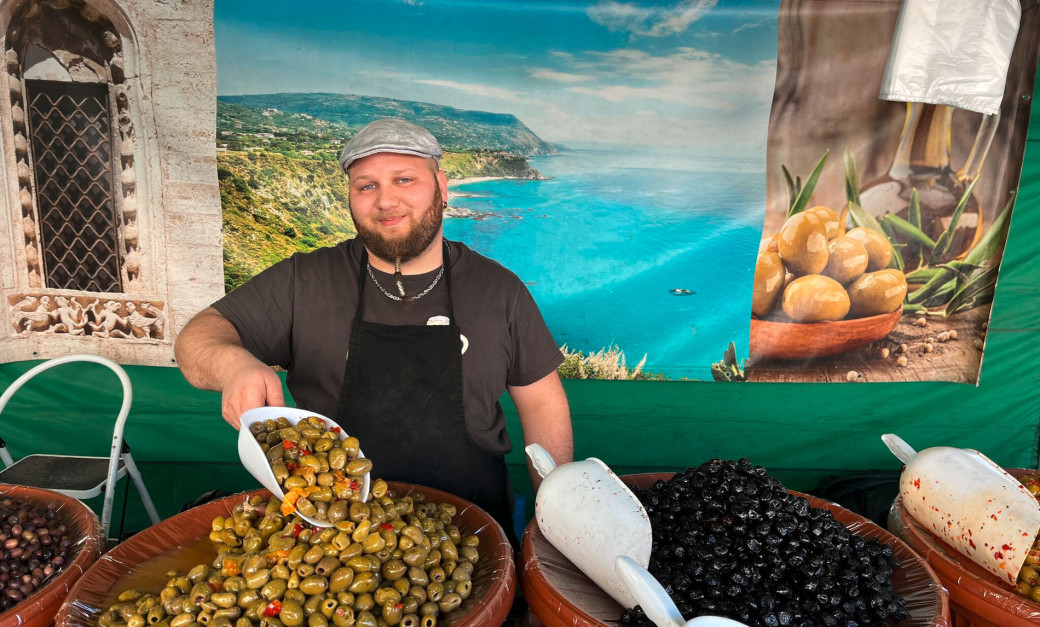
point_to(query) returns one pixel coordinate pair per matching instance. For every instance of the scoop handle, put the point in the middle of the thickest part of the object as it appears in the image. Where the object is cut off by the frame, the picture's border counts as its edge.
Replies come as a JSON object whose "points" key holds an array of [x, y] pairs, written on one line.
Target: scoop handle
{"points": [[899, 447], [541, 459], [647, 591]]}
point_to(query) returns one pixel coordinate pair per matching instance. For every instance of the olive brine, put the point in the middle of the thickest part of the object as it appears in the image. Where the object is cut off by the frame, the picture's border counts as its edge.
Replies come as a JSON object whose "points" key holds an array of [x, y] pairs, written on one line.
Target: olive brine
{"points": [[729, 540], [318, 469]]}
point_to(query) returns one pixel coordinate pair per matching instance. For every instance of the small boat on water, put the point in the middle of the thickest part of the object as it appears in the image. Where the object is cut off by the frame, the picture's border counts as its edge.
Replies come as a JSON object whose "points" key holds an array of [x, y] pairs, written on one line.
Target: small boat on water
{"points": [[682, 291]]}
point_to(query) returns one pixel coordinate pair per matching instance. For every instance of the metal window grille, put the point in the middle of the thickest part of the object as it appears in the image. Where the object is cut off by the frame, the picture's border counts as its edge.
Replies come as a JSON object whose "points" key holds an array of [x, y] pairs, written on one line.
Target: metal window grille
{"points": [[70, 127]]}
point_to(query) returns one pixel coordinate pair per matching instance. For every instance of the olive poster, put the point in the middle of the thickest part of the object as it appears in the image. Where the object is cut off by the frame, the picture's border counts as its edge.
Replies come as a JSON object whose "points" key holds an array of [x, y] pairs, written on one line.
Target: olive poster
{"points": [[886, 219]]}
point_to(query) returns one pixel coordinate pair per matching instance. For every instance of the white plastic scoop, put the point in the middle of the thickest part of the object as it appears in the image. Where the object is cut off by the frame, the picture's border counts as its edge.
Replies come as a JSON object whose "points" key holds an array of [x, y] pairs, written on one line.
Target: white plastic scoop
{"points": [[256, 463], [657, 605], [590, 516], [970, 503]]}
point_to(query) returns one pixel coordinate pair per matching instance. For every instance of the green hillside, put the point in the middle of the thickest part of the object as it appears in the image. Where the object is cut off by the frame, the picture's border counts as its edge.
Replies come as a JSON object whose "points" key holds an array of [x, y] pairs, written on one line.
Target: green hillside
{"points": [[456, 129], [275, 205]]}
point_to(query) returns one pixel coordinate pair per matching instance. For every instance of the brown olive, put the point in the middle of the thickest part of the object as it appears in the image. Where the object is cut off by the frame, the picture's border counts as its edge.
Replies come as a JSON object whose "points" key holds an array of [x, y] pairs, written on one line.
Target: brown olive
{"points": [[815, 298], [769, 283], [803, 243], [846, 259], [879, 251], [830, 218], [877, 293], [768, 243]]}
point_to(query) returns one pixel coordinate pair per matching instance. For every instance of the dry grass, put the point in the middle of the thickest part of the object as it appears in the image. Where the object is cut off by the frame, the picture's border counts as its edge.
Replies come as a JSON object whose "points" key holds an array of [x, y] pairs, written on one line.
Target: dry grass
{"points": [[607, 363]]}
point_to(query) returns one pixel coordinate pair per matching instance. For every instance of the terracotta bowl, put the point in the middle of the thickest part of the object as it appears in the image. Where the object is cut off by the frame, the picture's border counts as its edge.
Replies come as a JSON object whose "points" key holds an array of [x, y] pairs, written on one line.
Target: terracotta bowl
{"points": [[977, 597], [39, 609], [182, 541], [805, 340], [560, 595]]}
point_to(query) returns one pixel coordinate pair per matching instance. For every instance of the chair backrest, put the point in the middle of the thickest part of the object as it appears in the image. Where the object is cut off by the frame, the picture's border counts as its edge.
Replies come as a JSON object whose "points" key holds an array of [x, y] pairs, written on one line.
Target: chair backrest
{"points": [[124, 409]]}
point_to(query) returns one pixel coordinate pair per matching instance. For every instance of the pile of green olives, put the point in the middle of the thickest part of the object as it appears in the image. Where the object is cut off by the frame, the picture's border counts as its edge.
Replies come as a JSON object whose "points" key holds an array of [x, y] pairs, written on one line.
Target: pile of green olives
{"points": [[392, 561], [1028, 584], [318, 469], [817, 272]]}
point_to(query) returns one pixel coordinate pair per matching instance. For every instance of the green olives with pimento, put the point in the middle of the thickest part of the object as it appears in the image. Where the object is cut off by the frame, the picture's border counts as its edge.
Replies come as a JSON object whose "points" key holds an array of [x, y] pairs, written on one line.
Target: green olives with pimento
{"points": [[296, 575]]}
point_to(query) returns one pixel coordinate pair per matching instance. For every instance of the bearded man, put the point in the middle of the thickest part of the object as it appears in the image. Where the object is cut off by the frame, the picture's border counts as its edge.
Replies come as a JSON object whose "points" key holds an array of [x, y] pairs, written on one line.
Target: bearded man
{"points": [[405, 339]]}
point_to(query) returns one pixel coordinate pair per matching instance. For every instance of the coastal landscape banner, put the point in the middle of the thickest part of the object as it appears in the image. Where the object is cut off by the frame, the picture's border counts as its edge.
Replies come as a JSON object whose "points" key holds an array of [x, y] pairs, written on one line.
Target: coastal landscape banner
{"points": [[611, 154]]}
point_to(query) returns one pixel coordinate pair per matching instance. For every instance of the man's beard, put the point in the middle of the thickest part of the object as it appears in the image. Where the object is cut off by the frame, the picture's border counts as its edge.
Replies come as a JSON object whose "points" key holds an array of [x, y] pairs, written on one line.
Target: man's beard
{"points": [[414, 243]]}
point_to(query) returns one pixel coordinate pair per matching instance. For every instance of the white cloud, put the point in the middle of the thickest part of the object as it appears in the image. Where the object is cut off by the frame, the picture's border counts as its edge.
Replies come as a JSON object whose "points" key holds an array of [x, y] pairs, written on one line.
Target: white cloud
{"points": [[750, 25], [475, 89], [641, 21], [560, 77]]}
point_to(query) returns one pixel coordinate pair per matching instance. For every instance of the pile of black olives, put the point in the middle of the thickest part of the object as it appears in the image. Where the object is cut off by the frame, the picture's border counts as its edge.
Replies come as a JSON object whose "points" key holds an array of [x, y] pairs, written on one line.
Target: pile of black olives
{"points": [[36, 545], [391, 561], [729, 540]]}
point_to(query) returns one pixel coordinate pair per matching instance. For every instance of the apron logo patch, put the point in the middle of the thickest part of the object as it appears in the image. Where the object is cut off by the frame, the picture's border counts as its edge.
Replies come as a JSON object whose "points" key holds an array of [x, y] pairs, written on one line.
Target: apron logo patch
{"points": [[443, 321]]}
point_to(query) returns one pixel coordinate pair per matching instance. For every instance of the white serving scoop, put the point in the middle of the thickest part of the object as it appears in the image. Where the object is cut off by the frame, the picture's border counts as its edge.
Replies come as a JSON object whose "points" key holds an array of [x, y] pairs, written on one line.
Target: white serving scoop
{"points": [[590, 516], [256, 463], [657, 605], [969, 502]]}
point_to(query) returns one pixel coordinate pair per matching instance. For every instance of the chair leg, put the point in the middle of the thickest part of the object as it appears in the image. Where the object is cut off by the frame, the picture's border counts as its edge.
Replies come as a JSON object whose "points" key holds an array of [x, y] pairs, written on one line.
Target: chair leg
{"points": [[135, 474]]}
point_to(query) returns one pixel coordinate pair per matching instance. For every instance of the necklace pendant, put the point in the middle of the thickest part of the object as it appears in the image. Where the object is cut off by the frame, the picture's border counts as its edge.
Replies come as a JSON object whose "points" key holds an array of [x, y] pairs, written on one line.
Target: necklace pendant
{"points": [[400, 287]]}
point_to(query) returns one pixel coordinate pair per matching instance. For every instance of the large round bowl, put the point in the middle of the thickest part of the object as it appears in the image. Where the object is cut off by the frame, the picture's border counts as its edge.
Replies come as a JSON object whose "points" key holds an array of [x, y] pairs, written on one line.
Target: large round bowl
{"points": [[181, 541], [977, 597], [807, 340], [560, 595], [39, 609]]}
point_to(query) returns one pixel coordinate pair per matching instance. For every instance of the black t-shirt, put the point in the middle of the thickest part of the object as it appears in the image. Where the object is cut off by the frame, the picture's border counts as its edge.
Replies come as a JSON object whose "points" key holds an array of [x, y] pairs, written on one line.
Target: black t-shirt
{"points": [[298, 313]]}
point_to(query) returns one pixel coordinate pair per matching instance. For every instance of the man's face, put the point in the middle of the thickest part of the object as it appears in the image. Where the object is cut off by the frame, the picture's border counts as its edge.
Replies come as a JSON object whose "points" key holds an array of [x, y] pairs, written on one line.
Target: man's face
{"points": [[396, 202]]}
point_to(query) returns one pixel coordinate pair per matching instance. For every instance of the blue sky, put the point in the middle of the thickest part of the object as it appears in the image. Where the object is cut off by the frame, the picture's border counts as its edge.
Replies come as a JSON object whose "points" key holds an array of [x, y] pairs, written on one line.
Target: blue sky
{"points": [[679, 74]]}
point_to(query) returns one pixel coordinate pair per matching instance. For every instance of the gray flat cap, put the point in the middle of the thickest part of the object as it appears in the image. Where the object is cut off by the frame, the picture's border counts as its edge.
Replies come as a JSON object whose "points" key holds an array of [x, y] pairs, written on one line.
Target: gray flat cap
{"points": [[390, 135]]}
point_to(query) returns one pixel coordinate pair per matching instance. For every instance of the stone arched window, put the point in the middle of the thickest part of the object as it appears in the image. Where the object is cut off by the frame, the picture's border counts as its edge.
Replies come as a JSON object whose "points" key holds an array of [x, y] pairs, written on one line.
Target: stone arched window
{"points": [[73, 142]]}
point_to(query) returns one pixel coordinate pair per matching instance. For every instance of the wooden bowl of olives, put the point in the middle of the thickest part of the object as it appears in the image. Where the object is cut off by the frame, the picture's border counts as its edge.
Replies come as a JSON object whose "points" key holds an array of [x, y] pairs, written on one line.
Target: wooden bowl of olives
{"points": [[819, 290], [774, 339]]}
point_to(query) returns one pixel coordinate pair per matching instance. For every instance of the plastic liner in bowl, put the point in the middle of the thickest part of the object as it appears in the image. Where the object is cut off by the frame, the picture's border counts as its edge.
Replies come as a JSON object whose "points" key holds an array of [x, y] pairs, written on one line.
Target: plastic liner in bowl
{"points": [[83, 525], [148, 554], [977, 597], [562, 596]]}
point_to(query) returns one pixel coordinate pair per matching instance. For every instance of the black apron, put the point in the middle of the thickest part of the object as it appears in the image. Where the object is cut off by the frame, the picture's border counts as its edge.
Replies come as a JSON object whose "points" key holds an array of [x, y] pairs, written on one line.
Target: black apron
{"points": [[402, 398]]}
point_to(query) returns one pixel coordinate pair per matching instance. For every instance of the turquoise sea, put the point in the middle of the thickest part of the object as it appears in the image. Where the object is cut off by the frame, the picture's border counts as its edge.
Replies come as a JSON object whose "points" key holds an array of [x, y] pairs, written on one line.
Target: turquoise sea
{"points": [[603, 242]]}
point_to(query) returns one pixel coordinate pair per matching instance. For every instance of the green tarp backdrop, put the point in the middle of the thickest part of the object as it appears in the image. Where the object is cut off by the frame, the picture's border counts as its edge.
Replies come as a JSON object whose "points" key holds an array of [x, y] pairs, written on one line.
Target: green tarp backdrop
{"points": [[799, 432]]}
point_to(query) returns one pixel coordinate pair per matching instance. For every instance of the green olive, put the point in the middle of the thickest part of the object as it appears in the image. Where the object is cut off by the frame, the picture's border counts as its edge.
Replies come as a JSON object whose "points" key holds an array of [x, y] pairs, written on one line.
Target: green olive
{"points": [[877, 293], [291, 614], [340, 579], [392, 612], [314, 585], [847, 259], [769, 283], [803, 243], [317, 620], [224, 599], [337, 458], [343, 616], [359, 467], [879, 250], [812, 298], [449, 602], [363, 582]]}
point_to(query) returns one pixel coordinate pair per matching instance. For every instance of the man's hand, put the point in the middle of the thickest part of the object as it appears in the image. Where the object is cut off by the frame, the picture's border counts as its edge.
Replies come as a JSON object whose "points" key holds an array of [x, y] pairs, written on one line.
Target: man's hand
{"points": [[211, 357], [546, 418], [254, 385]]}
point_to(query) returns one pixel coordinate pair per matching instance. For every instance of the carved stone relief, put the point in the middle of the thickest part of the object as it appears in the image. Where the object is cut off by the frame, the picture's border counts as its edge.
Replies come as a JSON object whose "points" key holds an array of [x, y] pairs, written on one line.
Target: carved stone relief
{"points": [[88, 316]]}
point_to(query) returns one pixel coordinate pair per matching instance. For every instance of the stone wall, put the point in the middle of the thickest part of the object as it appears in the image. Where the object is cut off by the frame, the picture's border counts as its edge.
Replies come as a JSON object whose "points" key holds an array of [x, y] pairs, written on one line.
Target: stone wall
{"points": [[161, 70]]}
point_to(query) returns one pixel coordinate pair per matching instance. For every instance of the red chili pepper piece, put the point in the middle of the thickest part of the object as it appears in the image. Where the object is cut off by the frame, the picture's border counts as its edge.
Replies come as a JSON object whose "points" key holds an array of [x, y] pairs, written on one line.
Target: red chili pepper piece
{"points": [[215, 587], [335, 429], [291, 466], [386, 526], [296, 530], [274, 608], [304, 451], [398, 606], [354, 485], [288, 444]]}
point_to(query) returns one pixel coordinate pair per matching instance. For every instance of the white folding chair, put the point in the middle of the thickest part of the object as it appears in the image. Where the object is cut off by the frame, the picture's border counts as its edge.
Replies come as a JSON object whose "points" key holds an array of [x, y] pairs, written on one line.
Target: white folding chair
{"points": [[80, 477]]}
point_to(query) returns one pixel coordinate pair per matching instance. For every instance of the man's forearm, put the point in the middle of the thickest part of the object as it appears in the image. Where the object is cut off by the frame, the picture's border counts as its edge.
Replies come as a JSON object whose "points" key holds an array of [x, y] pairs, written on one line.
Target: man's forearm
{"points": [[209, 350], [546, 419]]}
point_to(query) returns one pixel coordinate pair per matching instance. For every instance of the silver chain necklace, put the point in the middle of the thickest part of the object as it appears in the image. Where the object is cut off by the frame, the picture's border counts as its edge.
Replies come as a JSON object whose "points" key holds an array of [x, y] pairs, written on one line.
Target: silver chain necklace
{"points": [[426, 291]]}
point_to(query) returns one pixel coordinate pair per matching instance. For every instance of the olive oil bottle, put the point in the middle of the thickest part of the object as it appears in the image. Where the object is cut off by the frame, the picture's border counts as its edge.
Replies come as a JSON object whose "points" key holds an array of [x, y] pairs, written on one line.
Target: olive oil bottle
{"points": [[922, 162]]}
